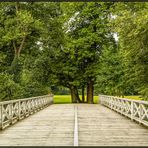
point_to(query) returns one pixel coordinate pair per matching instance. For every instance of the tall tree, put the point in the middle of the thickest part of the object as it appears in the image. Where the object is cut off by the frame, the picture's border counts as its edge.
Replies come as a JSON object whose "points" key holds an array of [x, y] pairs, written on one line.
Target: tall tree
{"points": [[27, 31], [88, 33]]}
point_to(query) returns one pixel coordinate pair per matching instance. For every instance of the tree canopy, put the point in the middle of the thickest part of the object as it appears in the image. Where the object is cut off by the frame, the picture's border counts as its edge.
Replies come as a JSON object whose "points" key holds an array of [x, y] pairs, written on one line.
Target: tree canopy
{"points": [[46, 46]]}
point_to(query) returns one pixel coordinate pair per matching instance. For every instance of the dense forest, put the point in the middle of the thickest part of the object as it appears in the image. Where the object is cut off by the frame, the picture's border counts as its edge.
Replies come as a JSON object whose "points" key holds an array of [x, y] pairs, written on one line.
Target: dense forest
{"points": [[82, 47]]}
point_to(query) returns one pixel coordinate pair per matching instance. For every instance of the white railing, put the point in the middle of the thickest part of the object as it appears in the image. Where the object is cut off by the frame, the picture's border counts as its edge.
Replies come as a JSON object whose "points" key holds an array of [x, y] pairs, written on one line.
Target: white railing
{"points": [[134, 109], [15, 110]]}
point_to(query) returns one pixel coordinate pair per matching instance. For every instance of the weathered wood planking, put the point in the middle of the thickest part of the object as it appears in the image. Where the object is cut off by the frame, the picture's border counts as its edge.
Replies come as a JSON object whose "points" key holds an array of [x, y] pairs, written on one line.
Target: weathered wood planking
{"points": [[54, 126], [134, 109], [49, 127], [76, 128], [100, 126]]}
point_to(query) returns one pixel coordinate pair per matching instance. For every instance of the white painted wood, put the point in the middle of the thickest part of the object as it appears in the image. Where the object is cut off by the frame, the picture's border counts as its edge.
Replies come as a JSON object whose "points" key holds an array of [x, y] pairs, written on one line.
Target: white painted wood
{"points": [[15, 110], [134, 109], [76, 128]]}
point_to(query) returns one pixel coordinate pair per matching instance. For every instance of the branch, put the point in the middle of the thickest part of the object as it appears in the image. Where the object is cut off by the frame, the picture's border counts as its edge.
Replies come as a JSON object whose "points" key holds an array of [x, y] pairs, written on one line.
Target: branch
{"points": [[14, 46], [22, 44], [17, 6]]}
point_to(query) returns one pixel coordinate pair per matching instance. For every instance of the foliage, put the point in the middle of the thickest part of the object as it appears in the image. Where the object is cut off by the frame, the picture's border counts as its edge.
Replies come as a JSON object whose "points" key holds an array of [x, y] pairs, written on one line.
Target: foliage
{"points": [[8, 88], [133, 36], [48, 46], [24, 33]]}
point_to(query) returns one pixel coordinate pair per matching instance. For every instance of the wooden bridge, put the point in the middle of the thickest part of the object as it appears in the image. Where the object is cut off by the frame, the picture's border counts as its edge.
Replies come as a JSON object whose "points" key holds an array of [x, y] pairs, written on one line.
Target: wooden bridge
{"points": [[110, 123]]}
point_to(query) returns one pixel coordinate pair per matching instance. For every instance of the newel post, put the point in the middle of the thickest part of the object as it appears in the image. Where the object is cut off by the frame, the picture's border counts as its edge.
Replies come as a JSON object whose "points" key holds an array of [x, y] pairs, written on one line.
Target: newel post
{"points": [[1, 118]]}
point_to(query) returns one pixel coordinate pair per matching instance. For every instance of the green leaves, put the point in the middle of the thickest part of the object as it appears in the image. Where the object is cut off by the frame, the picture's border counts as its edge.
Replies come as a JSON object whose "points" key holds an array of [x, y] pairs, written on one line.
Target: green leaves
{"points": [[69, 44], [131, 25], [27, 34], [8, 88]]}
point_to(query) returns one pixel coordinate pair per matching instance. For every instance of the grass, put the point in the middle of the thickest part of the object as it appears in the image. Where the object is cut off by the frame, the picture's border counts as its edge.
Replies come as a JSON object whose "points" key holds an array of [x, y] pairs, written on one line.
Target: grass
{"points": [[133, 97], [63, 99]]}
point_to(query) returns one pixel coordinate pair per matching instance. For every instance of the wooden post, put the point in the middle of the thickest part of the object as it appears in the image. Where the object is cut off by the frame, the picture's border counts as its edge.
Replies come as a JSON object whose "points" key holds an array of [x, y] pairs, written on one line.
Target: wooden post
{"points": [[112, 103], [132, 109], [19, 110], [11, 113], [127, 107], [24, 106], [140, 113], [1, 127]]}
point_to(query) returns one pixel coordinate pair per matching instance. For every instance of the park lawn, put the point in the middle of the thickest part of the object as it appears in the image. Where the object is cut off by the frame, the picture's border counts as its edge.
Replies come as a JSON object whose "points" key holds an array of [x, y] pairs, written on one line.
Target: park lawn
{"points": [[62, 99], [133, 97]]}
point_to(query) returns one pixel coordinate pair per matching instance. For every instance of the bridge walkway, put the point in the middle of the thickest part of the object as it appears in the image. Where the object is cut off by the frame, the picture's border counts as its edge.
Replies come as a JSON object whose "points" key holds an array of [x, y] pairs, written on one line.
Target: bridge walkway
{"points": [[55, 125]]}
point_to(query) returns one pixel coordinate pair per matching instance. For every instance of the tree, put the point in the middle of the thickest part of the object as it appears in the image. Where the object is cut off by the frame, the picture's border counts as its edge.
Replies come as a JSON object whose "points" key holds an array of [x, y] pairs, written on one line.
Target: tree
{"points": [[87, 33], [132, 27], [24, 34]]}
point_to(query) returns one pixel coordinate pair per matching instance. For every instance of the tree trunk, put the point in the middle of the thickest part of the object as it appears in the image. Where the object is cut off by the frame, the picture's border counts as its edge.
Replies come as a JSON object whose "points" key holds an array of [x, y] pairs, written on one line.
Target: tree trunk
{"points": [[90, 89], [83, 94], [17, 47], [74, 95], [77, 96], [14, 68], [73, 100]]}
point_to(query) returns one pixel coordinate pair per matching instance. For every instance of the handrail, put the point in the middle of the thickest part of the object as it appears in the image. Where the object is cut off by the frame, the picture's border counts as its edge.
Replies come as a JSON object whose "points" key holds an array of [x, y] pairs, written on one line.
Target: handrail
{"points": [[134, 109], [15, 110]]}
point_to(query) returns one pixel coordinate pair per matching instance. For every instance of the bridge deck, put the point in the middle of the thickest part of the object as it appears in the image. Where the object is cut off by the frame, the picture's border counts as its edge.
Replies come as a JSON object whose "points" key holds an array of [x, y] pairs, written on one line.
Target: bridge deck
{"points": [[54, 126]]}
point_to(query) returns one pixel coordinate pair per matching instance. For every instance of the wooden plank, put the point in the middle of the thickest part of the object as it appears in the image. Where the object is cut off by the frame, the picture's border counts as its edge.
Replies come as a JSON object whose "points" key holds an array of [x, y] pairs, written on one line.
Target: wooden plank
{"points": [[101, 126], [76, 128], [54, 126]]}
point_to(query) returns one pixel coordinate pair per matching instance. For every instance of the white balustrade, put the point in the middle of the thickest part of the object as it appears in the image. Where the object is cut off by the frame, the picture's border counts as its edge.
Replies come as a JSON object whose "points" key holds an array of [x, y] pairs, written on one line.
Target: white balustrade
{"points": [[134, 109], [15, 110]]}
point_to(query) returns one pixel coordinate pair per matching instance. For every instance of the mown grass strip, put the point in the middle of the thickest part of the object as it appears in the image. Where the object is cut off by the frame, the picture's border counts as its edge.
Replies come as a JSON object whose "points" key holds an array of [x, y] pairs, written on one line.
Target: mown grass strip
{"points": [[66, 99], [62, 99]]}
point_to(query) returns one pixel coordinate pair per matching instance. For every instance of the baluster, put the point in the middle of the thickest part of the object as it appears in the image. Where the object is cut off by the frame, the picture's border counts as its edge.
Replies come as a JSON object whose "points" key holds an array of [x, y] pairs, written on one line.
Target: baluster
{"points": [[111, 102], [25, 106], [46, 100], [140, 113], [19, 110], [132, 109], [12, 110], [40, 103], [11, 113], [34, 102]]}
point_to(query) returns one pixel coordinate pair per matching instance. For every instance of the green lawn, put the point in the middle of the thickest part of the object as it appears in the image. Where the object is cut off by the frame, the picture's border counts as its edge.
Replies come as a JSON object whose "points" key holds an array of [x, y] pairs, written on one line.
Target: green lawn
{"points": [[133, 97], [61, 99]]}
